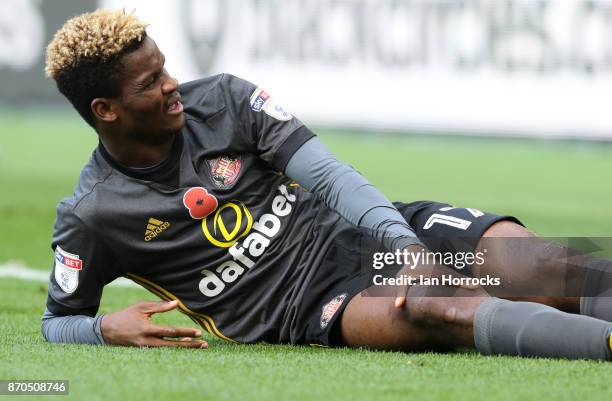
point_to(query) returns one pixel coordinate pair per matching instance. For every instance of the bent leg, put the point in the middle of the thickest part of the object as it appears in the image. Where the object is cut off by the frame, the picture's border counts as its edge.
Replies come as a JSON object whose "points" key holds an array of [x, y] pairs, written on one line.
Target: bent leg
{"points": [[548, 268], [530, 267], [492, 325], [426, 323]]}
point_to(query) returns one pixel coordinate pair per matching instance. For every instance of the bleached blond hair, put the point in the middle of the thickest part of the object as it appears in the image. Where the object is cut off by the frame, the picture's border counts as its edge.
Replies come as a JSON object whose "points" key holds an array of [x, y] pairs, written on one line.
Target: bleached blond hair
{"points": [[98, 35], [85, 56]]}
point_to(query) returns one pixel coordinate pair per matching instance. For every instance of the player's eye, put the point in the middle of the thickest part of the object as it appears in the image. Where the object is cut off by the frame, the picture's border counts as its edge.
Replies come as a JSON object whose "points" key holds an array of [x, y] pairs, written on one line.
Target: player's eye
{"points": [[150, 82], [153, 80]]}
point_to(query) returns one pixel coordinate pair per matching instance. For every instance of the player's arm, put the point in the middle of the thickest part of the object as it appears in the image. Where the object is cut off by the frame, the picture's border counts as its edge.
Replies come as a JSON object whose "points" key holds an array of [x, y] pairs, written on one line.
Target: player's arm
{"points": [[130, 326], [285, 143], [350, 194], [82, 267], [81, 329]]}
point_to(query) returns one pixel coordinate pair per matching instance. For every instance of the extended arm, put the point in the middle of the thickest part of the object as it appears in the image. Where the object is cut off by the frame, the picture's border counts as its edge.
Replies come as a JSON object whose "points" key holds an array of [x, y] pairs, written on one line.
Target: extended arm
{"points": [[345, 190], [81, 270], [129, 326]]}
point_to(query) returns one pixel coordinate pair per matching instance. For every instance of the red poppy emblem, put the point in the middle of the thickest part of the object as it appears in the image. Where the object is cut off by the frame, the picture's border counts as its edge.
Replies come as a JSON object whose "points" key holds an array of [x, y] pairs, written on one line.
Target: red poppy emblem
{"points": [[199, 202]]}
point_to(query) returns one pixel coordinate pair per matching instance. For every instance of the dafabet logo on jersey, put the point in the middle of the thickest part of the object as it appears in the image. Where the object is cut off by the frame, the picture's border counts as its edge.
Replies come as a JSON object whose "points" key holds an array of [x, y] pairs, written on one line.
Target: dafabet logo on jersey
{"points": [[230, 222], [232, 227], [154, 228]]}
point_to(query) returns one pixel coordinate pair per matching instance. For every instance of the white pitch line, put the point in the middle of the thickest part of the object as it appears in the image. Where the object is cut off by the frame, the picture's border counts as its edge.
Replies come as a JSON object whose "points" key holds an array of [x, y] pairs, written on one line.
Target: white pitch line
{"points": [[20, 271]]}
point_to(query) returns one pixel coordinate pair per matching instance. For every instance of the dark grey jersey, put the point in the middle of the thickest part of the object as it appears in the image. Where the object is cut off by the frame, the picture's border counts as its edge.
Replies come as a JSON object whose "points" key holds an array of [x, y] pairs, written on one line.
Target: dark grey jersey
{"points": [[216, 226]]}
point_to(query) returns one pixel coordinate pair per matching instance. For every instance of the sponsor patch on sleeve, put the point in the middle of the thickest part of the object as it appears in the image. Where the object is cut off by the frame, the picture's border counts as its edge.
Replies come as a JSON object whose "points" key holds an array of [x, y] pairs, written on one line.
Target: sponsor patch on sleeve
{"points": [[262, 101], [67, 268], [259, 98]]}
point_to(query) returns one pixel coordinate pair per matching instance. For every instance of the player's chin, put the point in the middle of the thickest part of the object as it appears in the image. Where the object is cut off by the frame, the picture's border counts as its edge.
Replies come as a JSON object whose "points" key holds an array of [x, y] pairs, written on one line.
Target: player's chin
{"points": [[176, 122]]}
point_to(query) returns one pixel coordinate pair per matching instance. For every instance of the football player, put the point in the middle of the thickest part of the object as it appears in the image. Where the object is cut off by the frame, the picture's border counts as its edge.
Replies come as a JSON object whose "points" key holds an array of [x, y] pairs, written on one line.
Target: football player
{"points": [[219, 201]]}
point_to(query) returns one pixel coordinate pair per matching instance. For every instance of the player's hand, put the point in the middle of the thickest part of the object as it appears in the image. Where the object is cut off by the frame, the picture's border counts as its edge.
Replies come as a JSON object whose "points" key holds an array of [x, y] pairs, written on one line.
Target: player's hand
{"points": [[133, 326], [428, 271]]}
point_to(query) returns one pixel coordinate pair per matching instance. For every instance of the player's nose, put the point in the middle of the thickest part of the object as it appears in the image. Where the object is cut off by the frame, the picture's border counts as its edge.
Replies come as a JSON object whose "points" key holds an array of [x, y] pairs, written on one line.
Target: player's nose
{"points": [[170, 84]]}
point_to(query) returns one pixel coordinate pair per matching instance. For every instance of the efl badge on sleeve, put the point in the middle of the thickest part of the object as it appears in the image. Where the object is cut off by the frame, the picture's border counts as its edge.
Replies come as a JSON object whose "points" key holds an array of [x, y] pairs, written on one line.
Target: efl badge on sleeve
{"points": [[224, 170], [329, 309], [261, 100], [67, 268]]}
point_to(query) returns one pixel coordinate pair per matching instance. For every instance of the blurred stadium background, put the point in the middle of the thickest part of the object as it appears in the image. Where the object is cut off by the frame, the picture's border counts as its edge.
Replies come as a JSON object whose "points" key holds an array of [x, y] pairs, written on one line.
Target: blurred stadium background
{"points": [[500, 105]]}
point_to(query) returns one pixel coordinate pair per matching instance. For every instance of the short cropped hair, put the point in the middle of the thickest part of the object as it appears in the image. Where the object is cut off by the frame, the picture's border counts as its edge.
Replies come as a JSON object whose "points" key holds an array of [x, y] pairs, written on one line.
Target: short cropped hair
{"points": [[84, 57]]}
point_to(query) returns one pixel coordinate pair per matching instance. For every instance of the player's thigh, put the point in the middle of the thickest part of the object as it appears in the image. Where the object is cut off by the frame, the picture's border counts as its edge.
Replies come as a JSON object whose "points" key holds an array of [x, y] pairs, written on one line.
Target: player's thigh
{"points": [[517, 255], [374, 322]]}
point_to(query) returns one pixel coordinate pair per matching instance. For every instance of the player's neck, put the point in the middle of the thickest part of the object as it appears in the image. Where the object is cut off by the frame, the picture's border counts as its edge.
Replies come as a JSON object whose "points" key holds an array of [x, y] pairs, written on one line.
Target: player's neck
{"points": [[137, 154]]}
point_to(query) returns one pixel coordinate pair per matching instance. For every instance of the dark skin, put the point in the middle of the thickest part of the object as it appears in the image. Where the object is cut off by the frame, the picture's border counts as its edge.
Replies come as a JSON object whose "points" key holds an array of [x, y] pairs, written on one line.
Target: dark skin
{"points": [[139, 127], [415, 322], [138, 130]]}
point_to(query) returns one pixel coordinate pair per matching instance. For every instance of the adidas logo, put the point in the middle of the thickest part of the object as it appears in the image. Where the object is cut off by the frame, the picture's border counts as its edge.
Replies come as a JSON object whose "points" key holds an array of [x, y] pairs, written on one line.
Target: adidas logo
{"points": [[154, 228]]}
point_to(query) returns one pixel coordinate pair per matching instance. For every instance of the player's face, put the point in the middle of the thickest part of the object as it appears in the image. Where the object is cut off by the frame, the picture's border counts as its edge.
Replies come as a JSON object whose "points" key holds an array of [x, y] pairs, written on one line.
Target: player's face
{"points": [[150, 106]]}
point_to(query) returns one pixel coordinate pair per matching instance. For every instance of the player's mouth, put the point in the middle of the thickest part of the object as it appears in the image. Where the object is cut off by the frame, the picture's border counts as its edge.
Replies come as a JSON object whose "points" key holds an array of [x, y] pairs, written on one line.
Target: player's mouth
{"points": [[174, 105]]}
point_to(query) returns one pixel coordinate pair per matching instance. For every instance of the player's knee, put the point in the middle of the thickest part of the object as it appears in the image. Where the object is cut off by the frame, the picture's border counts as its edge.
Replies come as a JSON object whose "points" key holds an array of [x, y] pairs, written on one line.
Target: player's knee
{"points": [[507, 228]]}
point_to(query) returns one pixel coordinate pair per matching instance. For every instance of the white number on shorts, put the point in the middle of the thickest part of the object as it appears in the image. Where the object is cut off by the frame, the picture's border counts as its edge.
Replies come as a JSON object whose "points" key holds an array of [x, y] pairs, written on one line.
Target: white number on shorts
{"points": [[446, 220], [473, 212]]}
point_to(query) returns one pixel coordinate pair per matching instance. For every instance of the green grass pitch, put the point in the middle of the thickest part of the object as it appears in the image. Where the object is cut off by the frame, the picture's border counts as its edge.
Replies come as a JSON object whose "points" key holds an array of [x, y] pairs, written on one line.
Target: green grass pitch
{"points": [[557, 189]]}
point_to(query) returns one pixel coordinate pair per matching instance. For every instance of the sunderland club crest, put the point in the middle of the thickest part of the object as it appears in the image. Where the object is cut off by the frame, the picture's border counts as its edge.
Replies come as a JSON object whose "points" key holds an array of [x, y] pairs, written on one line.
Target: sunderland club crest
{"points": [[329, 309], [224, 170]]}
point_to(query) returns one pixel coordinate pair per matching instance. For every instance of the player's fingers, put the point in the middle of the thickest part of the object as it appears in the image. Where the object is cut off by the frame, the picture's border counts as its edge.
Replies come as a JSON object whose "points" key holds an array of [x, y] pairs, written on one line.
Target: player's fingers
{"points": [[160, 307], [401, 291], [145, 305], [170, 331], [158, 342], [400, 296]]}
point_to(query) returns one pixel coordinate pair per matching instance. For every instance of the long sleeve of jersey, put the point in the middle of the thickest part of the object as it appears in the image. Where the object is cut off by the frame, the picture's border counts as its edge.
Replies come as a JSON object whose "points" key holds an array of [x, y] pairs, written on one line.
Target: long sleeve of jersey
{"points": [[78, 329], [76, 282], [347, 192]]}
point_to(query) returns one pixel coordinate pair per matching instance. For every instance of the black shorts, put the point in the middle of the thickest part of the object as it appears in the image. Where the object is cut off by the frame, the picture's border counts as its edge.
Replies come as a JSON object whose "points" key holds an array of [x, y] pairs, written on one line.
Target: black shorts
{"points": [[341, 274]]}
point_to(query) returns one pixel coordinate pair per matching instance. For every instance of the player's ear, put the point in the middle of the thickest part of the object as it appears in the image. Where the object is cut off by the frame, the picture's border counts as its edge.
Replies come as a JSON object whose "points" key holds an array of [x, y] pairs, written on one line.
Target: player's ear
{"points": [[104, 109]]}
